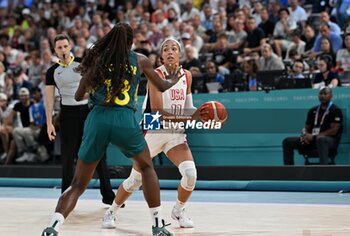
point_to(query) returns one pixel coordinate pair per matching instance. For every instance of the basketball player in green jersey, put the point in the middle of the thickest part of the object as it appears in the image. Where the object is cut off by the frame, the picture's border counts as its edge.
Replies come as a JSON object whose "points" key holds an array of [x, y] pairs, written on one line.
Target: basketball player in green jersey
{"points": [[111, 72]]}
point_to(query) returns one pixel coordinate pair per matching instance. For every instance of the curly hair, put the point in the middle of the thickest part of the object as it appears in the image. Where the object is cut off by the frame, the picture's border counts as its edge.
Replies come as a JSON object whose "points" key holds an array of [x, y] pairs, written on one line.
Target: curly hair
{"points": [[108, 59]]}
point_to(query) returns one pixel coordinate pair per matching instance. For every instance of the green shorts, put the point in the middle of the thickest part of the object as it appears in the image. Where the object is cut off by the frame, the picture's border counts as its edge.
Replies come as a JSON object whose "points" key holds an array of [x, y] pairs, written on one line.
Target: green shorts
{"points": [[113, 125]]}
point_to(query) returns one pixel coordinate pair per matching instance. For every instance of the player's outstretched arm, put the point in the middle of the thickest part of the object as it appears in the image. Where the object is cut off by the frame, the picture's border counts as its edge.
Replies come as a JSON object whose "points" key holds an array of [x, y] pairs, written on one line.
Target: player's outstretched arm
{"points": [[190, 109], [146, 66]]}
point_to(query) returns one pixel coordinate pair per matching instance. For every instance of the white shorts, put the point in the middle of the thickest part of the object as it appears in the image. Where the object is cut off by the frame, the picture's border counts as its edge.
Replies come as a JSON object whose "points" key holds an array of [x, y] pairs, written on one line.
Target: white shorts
{"points": [[162, 142]]}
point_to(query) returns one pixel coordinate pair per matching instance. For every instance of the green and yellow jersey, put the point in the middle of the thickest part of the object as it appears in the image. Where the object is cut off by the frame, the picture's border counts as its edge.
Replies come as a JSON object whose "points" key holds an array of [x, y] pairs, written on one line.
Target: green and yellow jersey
{"points": [[127, 98]]}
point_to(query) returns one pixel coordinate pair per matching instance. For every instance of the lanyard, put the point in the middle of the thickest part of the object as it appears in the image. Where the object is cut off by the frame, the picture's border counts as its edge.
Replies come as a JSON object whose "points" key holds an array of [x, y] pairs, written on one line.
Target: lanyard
{"points": [[324, 114]]}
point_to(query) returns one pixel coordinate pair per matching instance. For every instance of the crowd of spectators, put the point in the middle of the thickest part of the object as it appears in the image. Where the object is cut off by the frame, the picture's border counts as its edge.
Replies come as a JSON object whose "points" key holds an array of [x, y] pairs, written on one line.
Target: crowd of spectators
{"points": [[219, 38]]}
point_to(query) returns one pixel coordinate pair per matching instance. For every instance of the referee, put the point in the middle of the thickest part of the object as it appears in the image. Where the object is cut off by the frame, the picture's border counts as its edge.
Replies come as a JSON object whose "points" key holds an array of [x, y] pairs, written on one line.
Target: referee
{"points": [[72, 115]]}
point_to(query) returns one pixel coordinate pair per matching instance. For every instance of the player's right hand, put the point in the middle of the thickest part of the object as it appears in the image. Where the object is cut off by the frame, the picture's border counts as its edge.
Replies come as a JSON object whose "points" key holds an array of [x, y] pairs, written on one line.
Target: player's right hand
{"points": [[201, 114]]}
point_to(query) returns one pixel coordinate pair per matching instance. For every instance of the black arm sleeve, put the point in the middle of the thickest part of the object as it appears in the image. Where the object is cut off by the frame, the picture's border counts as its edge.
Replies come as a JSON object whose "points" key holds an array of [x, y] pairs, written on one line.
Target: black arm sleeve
{"points": [[50, 80]]}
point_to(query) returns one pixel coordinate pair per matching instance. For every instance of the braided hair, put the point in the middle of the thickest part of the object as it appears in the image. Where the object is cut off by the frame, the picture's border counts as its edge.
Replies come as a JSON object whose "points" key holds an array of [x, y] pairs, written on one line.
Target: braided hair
{"points": [[108, 59]]}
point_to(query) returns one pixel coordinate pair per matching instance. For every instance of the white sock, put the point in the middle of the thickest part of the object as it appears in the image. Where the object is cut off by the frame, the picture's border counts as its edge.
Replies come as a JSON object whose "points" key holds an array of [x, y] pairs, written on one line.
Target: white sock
{"points": [[57, 220], [156, 215], [179, 205], [114, 207]]}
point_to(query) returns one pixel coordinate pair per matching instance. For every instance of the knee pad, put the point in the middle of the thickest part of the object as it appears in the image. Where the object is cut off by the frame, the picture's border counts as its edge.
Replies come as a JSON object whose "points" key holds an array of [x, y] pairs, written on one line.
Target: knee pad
{"points": [[133, 182], [189, 175]]}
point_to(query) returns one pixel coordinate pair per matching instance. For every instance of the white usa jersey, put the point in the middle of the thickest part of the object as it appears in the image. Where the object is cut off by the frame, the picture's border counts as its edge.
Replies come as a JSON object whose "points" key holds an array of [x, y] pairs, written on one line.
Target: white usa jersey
{"points": [[173, 98]]}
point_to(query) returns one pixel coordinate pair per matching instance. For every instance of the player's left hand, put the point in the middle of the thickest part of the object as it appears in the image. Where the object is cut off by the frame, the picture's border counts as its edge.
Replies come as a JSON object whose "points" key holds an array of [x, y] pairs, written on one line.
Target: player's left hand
{"points": [[174, 74]]}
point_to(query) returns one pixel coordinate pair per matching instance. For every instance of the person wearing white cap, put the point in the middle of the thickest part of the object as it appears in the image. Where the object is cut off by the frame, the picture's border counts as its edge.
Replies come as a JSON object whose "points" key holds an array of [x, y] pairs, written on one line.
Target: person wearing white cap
{"points": [[21, 107], [27, 137]]}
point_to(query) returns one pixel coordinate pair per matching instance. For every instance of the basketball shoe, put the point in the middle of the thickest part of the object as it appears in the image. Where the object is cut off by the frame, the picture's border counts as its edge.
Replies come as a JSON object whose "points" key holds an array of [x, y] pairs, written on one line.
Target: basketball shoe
{"points": [[108, 221], [161, 231], [49, 231], [181, 217]]}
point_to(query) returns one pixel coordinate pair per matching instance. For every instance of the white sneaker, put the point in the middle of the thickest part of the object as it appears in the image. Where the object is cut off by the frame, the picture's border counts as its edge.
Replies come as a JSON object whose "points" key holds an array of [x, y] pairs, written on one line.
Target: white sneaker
{"points": [[32, 157], [181, 217], [3, 156], [108, 221], [23, 158], [26, 157]]}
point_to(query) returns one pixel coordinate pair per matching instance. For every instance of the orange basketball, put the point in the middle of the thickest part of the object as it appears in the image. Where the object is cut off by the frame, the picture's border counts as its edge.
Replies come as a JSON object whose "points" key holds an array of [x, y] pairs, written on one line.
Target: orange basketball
{"points": [[215, 111]]}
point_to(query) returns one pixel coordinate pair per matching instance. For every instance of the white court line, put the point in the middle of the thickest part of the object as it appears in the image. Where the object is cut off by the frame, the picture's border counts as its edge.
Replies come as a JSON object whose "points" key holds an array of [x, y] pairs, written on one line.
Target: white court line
{"points": [[193, 202]]}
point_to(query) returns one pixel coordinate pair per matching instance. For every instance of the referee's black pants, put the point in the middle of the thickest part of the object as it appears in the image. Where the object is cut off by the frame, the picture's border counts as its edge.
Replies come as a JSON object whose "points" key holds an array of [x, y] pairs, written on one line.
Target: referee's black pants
{"points": [[72, 120]]}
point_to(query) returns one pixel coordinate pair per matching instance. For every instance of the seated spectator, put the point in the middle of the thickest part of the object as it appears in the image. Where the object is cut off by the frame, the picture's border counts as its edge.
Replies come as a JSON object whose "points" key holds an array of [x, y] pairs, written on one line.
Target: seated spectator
{"points": [[296, 44], [275, 6], [336, 39], [145, 44], [255, 37], [191, 63], [160, 19], [269, 60], [34, 70], [212, 35], [207, 17], [297, 13], [189, 11], [308, 37], [295, 56], [282, 32], [222, 55], [250, 68], [26, 137], [197, 27], [255, 11], [325, 18], [212, 74], [13, 122], [266, 24], [4, 130], [322, 130], [297, 70], [326, 77], [196, 40], [47, 58], [20, 80], [153, 57], [326, 49], [187, 41], [237, 35], [343, 55]]}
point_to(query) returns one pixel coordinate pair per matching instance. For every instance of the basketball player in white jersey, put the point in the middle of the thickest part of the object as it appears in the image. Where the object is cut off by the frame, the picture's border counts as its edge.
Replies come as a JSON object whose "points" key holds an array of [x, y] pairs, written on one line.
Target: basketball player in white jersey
{"points": [[175, 101]]}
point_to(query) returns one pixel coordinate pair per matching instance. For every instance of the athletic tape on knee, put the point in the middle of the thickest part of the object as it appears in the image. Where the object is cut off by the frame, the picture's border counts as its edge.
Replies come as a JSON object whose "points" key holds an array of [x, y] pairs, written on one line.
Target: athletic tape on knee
{"points": [[133, 182], [189, 175]]}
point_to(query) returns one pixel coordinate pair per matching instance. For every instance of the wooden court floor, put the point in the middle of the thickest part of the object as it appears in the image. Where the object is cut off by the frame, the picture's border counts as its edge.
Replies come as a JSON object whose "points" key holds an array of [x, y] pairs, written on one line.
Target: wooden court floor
{"points": [[27, 214]]}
